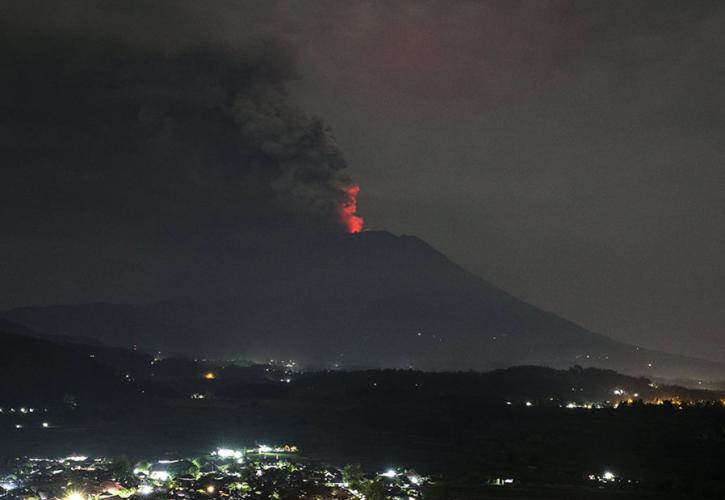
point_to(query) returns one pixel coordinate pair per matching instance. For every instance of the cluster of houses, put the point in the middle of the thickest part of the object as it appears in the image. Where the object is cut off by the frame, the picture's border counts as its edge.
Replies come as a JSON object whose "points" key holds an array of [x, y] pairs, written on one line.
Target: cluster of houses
{"points": [[262, 472]]}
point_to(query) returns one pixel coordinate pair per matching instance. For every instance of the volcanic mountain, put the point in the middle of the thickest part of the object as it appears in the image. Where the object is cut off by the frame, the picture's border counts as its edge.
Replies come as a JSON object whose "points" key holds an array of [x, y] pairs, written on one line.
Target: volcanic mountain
{"points": [[370, 299]]}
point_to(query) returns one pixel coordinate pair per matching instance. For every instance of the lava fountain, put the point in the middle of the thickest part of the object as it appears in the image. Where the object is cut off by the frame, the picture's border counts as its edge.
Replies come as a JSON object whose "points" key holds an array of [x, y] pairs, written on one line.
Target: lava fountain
{"points": [[352, 222]]}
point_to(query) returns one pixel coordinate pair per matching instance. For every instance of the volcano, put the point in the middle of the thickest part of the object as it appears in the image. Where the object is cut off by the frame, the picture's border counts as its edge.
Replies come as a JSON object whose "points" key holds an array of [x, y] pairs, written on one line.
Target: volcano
{"points": [[368, 299]]}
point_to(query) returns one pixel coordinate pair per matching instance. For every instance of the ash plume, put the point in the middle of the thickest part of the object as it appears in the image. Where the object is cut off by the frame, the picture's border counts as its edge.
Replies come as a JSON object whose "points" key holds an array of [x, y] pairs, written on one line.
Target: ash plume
{"points": [[113, 133], [157, 156]]}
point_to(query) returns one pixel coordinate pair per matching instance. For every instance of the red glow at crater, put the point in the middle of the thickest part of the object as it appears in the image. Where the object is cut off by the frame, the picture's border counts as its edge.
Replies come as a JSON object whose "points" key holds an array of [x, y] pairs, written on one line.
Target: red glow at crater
{"points": [[352, 222]]}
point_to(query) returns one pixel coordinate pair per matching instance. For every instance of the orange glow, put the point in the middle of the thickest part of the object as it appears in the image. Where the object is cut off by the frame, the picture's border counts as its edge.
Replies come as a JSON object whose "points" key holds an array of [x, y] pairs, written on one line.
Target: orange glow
{"points": [[209, 376], [353, 223]]}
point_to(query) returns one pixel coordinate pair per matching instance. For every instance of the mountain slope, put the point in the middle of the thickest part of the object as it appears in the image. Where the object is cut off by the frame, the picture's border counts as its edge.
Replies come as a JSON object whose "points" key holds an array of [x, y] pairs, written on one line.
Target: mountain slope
{"points": [[113, 324], [35, 371], [371, 299]]}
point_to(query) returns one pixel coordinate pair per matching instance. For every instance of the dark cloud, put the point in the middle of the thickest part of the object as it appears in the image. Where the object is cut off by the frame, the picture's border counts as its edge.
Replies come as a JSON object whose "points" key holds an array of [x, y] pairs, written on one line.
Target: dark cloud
{"points": [[152, 142], [205, 134]]}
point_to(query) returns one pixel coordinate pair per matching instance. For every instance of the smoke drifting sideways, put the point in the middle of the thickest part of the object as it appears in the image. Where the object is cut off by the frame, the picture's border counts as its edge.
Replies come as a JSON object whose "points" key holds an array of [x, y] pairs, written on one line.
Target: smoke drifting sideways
{"points": [[98, 134], [133, 170]]}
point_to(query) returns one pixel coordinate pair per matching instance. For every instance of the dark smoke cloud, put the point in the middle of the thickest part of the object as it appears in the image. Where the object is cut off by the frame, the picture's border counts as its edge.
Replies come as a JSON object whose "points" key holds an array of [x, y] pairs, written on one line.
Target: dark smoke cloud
{"points": [[206, 134], [140, 144]]}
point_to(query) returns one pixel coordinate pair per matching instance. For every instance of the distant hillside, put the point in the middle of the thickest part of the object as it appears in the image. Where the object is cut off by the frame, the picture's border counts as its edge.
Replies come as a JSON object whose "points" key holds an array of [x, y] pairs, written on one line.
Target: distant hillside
{"points": [[113, 324], [41, 372], [516, 385], [365, 300], [119, 360], [36, 371]]}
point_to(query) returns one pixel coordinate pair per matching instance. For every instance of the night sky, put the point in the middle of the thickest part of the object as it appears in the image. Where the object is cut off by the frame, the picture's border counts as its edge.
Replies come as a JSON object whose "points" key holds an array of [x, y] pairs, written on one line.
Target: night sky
{"points": [[570, 152]]}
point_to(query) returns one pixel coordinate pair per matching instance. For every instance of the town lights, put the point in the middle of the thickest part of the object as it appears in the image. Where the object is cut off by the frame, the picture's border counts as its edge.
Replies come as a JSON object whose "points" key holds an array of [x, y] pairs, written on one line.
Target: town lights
{"points": [[8, 485], [99, 477], [159, 475], [145, 489], [228, 453], [609, 476]]}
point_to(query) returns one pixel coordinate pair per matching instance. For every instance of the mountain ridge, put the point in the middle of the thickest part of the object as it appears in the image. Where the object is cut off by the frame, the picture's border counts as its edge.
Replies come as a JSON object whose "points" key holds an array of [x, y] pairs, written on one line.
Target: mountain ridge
{"points": [[369, 299]]}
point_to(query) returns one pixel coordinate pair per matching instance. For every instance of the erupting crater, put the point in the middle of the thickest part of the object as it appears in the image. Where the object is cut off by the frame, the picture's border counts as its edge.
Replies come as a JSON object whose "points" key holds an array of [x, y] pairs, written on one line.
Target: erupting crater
{"points": [[352, 222]]}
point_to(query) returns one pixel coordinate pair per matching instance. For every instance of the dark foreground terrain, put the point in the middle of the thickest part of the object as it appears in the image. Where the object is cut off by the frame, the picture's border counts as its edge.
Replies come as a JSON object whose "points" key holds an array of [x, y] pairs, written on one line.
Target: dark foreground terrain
{"points": [[577, 433]]}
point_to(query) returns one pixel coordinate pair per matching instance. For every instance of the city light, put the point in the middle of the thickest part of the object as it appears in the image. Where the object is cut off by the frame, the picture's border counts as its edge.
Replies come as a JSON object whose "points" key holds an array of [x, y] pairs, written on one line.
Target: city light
{"points": [[228, 453], [8, 485], [145, 489], [159, 475], [97, 477]]}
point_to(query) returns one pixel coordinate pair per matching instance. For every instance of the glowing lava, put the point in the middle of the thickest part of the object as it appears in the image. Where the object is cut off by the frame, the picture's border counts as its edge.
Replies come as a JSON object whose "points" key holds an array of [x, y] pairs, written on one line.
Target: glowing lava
{"points": [[352, 222]]}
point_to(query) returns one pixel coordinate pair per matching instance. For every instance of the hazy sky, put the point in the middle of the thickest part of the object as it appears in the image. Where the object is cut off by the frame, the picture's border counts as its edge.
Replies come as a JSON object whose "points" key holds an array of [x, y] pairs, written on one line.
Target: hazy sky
{"points": [[570, 152]]}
